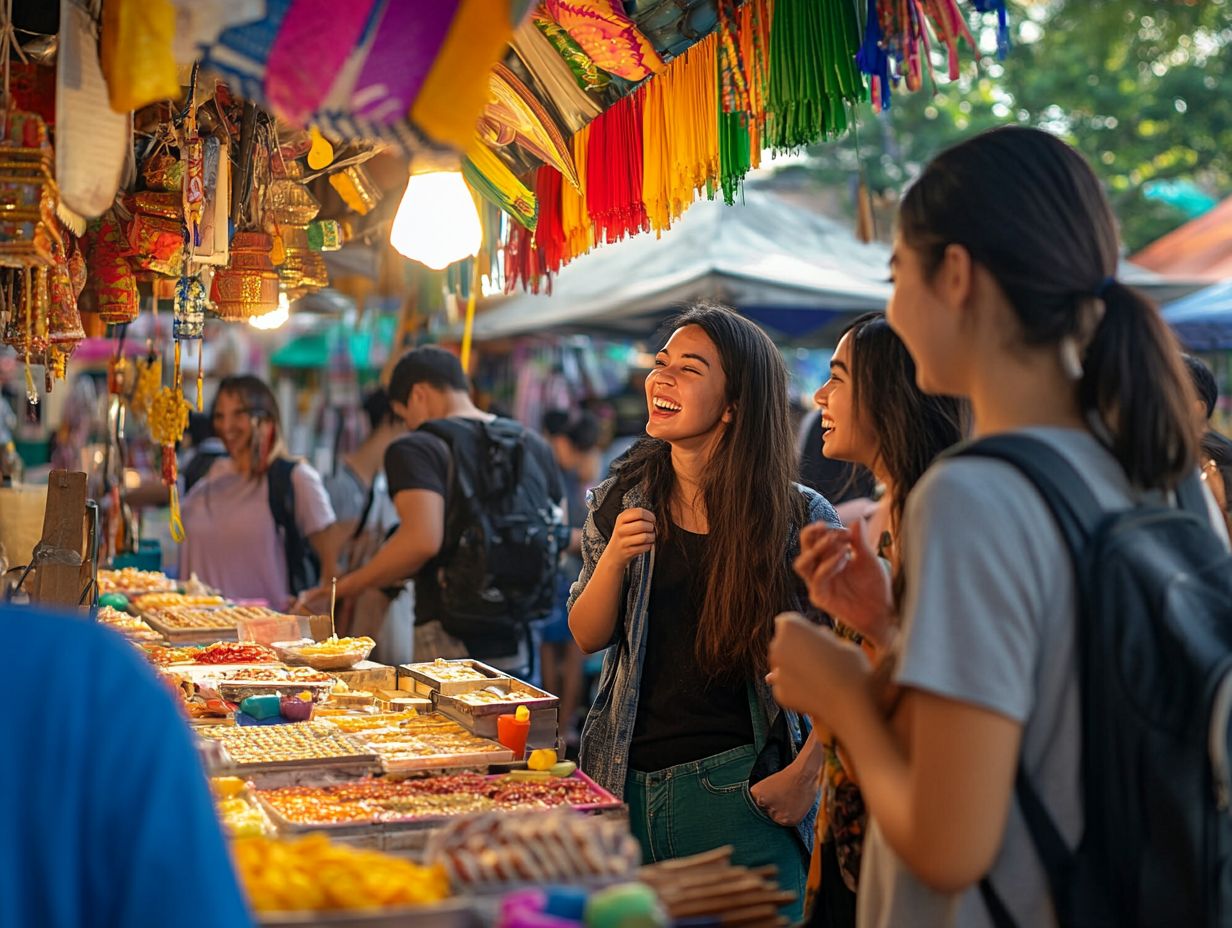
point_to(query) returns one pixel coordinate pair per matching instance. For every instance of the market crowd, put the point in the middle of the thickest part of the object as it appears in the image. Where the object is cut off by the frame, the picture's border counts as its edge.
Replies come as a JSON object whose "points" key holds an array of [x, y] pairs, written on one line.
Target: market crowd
{"points": [[893, 705]]}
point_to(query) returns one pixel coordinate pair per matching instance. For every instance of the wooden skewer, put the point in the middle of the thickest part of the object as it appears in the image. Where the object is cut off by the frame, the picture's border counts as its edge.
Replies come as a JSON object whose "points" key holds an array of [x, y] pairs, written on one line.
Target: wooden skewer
{"points": [[333, 601]]}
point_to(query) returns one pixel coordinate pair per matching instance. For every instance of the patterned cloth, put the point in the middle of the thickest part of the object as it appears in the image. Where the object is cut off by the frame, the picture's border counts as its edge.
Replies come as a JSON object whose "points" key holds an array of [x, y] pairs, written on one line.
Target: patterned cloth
{"points": [[608, 36]]}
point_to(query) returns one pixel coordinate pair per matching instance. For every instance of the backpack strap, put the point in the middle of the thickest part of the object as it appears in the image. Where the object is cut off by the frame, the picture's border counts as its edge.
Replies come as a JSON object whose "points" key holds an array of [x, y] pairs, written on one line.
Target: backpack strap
{"points": [[1077, 513], [282, 507]]}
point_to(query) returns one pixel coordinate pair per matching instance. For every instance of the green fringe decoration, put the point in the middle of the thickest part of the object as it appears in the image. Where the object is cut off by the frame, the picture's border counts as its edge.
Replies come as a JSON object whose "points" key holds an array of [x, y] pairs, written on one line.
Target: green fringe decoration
{"points": [[813, 74], [735, 157]]}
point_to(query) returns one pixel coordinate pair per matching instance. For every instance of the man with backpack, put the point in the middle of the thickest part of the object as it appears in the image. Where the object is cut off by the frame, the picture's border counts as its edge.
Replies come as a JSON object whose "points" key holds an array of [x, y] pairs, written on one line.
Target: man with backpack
{"points": [[481, 522]]}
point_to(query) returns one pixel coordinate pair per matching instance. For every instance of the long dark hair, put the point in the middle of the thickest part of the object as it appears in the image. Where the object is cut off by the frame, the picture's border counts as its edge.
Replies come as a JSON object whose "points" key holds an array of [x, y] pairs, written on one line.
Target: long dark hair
{"points": [[748, 490], [1030, 210], [262, 406], [911, 427]]}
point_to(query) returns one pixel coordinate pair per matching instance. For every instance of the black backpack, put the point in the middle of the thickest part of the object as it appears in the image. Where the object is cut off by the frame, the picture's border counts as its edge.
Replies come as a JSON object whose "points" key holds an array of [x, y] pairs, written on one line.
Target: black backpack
{"points": [[504, 532], [1155, 666], [303, 566]]}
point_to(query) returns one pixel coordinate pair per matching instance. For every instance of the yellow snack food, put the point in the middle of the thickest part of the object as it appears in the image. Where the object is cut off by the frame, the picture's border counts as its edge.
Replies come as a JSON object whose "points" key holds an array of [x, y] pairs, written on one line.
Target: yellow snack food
{"points": [[542, 759], [312, 873], [522, 714]]}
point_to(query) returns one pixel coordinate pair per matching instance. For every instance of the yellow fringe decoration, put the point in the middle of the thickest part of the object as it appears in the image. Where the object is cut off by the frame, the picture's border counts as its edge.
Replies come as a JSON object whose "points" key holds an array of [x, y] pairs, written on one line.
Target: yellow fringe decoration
{"points": [[177, 524], [680, 133], [574, 214]]}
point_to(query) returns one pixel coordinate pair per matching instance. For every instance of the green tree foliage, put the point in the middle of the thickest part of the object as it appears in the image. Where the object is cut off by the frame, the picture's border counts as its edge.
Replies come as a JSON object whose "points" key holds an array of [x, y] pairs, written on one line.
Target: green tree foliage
{"points": [[1143, 89]]}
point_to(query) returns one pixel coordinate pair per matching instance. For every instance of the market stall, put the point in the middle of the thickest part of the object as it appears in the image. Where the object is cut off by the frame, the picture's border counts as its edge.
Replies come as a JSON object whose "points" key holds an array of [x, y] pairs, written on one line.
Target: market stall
{"points": [[439, 788], [198, 160]]}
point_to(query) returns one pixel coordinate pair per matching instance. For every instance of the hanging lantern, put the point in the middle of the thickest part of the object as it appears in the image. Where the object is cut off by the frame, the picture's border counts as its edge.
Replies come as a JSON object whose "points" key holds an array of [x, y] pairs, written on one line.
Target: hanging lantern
{"points": [[109, 273], [248, 286], [29, 233]]}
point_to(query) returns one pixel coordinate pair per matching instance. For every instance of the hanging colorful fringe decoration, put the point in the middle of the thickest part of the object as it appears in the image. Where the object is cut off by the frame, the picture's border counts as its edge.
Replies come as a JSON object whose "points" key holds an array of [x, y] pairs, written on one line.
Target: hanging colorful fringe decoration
{"points": [[680, 133], [1003, 26], [574, 213], [813, 76], [740, 131], [907, 30], [550, 230], [614, 171], [873, 59]]}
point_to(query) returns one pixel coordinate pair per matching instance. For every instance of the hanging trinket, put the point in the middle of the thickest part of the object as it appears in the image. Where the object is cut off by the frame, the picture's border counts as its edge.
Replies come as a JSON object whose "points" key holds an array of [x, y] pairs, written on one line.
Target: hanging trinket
{"points": [[325, 235], [191, 301], [168, 419], [192, 153], [248, 286], [190, 304]]}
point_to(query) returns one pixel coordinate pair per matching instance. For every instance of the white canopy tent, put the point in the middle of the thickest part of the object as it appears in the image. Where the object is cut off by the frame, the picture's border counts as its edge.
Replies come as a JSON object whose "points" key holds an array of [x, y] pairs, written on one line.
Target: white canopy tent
{"points": [[790, 269]]}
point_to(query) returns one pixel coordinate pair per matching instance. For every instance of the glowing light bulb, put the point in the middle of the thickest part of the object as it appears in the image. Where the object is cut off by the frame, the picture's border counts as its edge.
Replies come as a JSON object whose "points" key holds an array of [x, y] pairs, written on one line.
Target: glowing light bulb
{"points": [[275, 317], [437, 223]]}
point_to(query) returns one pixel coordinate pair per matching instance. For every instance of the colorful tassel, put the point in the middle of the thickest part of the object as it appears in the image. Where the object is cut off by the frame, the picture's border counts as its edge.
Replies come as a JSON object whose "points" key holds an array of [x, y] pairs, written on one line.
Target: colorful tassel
{"points": [[575, 220], [873, 60], [813, 76], [614, 171], [680, 141]]}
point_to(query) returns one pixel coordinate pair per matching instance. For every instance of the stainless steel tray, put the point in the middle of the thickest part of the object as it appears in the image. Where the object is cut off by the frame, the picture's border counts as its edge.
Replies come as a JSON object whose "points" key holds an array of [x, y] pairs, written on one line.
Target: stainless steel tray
{"points": [[536, 699], [427, 684]]}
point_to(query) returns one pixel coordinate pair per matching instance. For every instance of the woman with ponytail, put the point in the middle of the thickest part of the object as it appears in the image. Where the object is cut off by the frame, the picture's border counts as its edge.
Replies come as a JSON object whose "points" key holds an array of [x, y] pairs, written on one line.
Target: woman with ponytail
{"points": [[257, 518], [687, 555], [1005, 293]]}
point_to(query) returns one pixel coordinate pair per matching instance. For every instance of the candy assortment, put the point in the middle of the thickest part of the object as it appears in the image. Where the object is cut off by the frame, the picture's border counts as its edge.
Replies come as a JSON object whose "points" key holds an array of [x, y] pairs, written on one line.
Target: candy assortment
{"points": [[450, 671], [352, 722], [130, 626], [281, 875], [432, 739], [148, 601], [277, 675], [388, 800], [331, 654], [231, 652], [305, 741], [165, 656], [132, 580], [183, 618], [334, 647], [491, 697]]}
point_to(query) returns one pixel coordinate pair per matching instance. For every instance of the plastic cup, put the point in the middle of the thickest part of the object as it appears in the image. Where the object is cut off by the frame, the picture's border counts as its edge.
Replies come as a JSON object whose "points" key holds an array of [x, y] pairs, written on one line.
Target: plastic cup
{"points": [[512, 732]]}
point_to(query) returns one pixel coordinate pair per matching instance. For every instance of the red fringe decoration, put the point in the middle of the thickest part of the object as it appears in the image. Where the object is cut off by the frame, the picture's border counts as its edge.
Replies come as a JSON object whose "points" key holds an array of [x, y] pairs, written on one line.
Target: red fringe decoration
{"points": [[614, 171], [550, 230]]}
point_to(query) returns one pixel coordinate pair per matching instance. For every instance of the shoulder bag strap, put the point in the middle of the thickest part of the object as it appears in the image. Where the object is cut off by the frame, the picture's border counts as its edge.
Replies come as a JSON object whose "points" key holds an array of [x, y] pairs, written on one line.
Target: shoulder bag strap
{"points": [[1077, 513]]}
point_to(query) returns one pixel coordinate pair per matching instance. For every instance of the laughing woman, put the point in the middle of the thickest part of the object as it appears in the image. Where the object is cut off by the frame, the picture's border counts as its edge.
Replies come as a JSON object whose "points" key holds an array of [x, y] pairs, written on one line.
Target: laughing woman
{"points": [[687, 558]]}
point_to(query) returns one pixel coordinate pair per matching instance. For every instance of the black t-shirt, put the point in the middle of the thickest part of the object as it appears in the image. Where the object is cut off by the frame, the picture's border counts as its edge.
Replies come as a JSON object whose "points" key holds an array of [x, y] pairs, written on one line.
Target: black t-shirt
{"points": [[683, 714], [421, 461]]}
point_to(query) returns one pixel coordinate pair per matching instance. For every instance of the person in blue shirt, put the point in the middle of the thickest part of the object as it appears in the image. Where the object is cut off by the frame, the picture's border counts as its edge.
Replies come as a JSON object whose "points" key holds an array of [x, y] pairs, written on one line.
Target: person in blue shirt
{"points": [[106, 814]]}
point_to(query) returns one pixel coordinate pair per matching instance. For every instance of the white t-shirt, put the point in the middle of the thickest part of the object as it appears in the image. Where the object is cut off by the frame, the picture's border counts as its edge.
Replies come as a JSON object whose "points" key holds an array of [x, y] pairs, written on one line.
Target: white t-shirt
{"points": [[232, 540], [989, 619]]}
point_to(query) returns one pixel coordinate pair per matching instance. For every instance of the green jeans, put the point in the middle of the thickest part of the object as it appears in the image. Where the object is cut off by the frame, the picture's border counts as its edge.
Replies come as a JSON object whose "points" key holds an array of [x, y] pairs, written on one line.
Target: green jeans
{"points": [[705, 804]]}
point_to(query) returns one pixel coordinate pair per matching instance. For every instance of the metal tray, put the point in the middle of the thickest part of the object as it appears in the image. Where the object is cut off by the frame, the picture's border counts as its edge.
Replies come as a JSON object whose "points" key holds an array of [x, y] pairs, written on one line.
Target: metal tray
{"points": [[451, 913], [427, 684], [354, 765], [385, 830], [536, 699], [238, 690]]}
